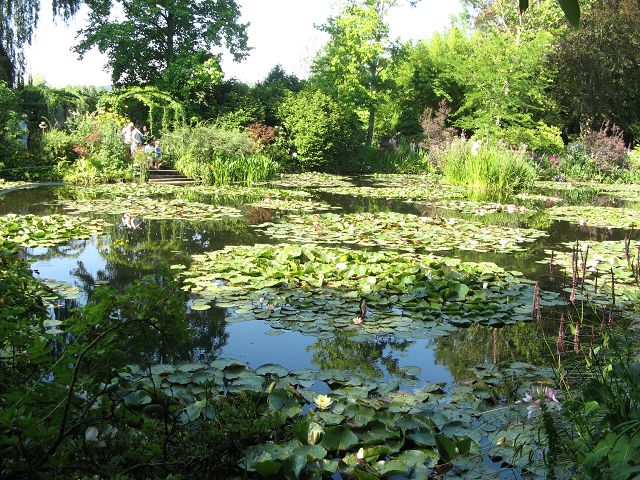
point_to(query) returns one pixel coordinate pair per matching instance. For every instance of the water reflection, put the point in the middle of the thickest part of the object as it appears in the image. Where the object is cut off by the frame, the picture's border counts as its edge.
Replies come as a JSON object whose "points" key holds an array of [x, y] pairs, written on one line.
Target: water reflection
{"points": [[371, 358]]}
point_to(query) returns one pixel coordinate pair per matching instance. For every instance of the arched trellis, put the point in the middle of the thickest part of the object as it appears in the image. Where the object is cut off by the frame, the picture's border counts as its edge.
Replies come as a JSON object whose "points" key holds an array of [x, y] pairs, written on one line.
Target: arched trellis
{"points": [[165, 113]]}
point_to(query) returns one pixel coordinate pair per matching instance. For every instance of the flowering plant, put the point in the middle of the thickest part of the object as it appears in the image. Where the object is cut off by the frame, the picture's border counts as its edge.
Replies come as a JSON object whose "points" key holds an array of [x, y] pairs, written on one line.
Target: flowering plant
{"points": [[538, 396]]}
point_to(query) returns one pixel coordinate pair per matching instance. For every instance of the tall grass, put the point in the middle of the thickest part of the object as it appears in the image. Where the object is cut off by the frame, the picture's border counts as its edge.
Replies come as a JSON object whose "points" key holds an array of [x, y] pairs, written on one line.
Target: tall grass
{"points": [[218, 156], [493, 172]]}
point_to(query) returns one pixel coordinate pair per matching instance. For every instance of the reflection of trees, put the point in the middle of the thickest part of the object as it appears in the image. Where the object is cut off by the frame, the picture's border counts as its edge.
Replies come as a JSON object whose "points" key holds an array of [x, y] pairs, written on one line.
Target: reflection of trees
{"points": [[478, 344], [72, 249], [343, 352]]}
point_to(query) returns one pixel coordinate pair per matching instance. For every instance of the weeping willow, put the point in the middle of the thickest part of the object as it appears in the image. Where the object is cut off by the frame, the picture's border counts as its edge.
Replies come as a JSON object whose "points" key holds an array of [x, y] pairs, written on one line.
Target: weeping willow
{"points": [[165, 114], [18, 20]]}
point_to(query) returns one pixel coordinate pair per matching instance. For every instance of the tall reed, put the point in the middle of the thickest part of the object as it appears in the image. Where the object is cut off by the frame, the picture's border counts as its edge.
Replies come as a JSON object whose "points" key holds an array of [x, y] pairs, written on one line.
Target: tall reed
{"points": [[490, 172]]}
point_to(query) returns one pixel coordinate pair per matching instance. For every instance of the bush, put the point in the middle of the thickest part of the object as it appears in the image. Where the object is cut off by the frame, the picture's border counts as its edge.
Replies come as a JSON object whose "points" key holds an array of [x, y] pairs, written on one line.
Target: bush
{"points": [[607, 148], [402, 160], [10, 143], [321, 132], [490, 172], [218, 156], [103, 155]]}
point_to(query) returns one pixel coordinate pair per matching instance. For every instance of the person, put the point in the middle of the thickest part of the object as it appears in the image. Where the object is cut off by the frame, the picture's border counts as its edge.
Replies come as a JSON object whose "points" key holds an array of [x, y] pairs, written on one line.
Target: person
{"points": [[148, 151], [126, 133], [23, 127], [156, 154], [136, 139]]}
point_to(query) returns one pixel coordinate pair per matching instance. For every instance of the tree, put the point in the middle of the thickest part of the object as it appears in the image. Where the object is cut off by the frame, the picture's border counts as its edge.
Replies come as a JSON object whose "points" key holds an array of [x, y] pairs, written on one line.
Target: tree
{"points": [[351, 66], [322, 131], [18, 20], [599, 70], [273, 90], [151, 36]]}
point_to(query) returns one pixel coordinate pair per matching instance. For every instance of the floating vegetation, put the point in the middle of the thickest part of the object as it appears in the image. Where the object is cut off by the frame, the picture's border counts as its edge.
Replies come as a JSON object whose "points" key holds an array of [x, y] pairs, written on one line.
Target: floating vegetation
{"points": [[63, 290], [311, 180], [149, 208], [307, 205], [404, 232], [358, 425], [431, 190], [597, 265], [48, 230], [7, 185], [477, 208], [546, 200], [604, 217], [126, 190], [316, 290]]}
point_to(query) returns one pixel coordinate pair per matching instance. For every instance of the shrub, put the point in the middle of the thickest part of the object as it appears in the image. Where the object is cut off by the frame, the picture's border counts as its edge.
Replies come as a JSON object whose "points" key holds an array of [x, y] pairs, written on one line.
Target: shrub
{"points": [[436, 136], [218, 156], [543, 139], [103, 155], [491, 172], [606, 147], [321, 131], [402, 160], [10, 143]]}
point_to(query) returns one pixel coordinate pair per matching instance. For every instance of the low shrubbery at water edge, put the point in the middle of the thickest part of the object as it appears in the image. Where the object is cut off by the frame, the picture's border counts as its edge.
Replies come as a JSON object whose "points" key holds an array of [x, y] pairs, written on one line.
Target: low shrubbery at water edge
{"points": [[218, 156], [490, 171]]}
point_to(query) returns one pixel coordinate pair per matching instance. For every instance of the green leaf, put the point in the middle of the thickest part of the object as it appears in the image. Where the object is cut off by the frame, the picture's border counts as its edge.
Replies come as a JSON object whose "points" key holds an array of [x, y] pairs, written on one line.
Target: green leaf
{"points": [[446, 447], [339, 438], [283, 402], [571, 9]]}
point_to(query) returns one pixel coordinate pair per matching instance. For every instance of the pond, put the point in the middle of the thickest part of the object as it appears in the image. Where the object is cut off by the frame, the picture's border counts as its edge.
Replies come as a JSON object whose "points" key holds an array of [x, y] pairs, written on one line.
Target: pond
{"points": [[384, 277], [374, 213]]}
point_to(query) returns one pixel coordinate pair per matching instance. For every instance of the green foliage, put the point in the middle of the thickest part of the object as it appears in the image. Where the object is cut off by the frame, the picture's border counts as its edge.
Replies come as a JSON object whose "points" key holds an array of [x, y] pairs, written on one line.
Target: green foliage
{"points": [[56, 146], [350, 67], [322, 132], [145, 106], [218, 156], [506, 91], [599, 69], [9, 124], [149, 37], [493, 172], [273, 90], [401, 160], [103, 155], [605, 413]]}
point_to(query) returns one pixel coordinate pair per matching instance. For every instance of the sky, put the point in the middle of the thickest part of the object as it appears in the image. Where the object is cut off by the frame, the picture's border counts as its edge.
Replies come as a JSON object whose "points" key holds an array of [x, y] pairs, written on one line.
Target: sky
{"points": [[280, 32]]}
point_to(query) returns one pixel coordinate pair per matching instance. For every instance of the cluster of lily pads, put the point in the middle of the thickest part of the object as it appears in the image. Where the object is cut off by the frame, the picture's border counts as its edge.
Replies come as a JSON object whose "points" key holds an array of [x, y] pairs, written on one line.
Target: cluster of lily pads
{"points": [[358, 427], [310, 180], [149, 208], [402, 231], [317, 290], [427, 192], [604, 217], [48, 230], [477, 208], [8, 185]]}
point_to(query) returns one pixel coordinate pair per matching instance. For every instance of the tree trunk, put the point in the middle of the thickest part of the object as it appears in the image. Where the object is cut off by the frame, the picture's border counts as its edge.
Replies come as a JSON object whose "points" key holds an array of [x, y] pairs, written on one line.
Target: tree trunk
{"points": [[372, 116]]}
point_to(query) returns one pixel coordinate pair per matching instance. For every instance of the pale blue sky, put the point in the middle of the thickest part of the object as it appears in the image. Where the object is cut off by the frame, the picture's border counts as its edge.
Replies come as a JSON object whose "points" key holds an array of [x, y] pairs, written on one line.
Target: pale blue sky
{"points": [[281, 31]]}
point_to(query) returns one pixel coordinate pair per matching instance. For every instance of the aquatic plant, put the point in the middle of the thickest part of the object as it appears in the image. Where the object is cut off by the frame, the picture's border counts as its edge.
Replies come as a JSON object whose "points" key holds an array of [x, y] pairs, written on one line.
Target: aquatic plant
{"points": [[494, 172]]}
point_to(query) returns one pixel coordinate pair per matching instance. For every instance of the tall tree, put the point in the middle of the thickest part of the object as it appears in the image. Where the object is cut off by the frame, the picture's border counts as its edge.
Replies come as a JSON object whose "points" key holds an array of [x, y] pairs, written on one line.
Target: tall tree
{"points": [[599, 69], [150, 36], [18, 20], [351, 66]]}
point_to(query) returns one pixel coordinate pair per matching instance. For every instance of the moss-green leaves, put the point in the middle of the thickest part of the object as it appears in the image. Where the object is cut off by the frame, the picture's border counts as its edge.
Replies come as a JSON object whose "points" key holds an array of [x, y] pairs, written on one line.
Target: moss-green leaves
{"points": [[44, 231], [404, 232]]}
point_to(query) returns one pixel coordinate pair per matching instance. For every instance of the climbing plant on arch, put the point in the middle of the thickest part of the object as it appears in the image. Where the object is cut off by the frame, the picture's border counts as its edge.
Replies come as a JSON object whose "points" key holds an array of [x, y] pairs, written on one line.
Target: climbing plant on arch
{"points": [[162, 111]]}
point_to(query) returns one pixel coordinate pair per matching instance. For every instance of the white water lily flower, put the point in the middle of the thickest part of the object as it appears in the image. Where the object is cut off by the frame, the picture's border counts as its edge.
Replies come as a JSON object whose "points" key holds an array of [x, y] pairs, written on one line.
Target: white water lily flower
{"points": [[323, 401], [91, 434]]}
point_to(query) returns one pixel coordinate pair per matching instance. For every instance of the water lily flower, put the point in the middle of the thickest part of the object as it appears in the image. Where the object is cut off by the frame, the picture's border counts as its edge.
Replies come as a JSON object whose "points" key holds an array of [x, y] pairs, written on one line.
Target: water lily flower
{"points": [[323, 401], [536, 397], [357, 320]]}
